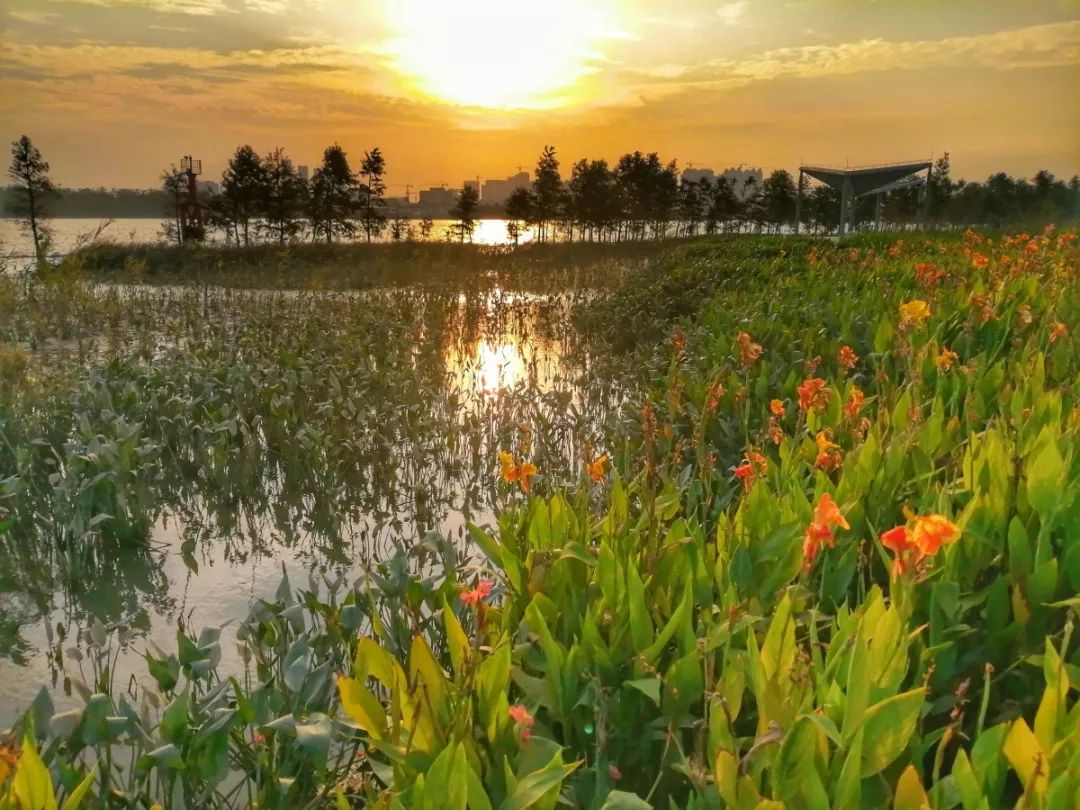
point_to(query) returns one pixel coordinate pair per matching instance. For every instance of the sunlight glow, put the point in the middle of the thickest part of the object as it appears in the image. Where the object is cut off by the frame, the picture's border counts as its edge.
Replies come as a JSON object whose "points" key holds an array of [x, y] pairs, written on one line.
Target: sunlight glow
{"points": [[499, 54]]}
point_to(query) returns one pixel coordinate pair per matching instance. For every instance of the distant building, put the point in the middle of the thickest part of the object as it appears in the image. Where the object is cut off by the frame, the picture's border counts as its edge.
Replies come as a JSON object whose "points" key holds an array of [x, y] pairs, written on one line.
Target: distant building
{"points": [[303, 173], [438, 200], [744, 181], [696, 175], [497, 192], [472, 184], [208, 187]]}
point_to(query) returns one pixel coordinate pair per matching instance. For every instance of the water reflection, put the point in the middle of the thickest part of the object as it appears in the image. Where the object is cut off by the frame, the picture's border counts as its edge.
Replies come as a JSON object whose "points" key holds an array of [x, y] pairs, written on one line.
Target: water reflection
{"points": [[315, 434]]}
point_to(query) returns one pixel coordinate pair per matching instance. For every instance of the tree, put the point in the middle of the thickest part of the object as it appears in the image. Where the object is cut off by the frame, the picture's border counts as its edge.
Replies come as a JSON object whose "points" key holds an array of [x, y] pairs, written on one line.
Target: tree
{"points": [[400, 229], [722, 205], [519, 212], [547, 192], [778, 198], [940, 188], [244, 186], [174, 185], [690, 208], [284, 195], [31, 192], [426, 227], [372, 193], [464, 212], [591, 197], [331, 201]]}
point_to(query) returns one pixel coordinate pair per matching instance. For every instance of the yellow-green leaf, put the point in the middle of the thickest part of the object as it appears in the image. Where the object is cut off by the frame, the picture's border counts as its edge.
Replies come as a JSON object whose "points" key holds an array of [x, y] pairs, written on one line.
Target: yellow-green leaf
{"points": [[910, 794]]}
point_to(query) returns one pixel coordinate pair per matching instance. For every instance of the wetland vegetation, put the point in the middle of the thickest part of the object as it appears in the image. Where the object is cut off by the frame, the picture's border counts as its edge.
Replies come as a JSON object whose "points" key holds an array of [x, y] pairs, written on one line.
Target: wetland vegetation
{"points": [[738, 522]]}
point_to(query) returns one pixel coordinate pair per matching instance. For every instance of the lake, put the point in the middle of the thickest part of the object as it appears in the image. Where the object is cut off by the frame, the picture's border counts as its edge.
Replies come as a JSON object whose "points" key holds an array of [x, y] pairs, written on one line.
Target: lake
{"points": [[68, 234], [251, 435]]}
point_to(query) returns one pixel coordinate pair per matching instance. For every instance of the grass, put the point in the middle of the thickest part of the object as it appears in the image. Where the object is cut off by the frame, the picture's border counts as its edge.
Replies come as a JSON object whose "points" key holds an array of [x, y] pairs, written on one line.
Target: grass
{"points": [[804, 532]]}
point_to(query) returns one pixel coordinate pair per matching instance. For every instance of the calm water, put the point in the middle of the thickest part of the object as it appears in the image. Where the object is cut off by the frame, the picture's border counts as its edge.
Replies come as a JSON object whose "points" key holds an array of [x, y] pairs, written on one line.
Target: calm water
{"points": [[210, 558], [70, 233]]}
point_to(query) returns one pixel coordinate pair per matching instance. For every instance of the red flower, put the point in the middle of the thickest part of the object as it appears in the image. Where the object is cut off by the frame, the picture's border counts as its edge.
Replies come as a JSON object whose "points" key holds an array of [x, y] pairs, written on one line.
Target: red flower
{"points": [[813, 394], [753, 465], [523, 720], [478, 594], [847, 358], [826, 515]]}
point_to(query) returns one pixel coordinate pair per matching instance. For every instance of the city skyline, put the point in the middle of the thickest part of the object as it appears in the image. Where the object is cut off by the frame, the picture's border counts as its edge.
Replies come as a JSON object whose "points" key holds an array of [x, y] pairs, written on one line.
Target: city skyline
{"points": [[114, 90]]}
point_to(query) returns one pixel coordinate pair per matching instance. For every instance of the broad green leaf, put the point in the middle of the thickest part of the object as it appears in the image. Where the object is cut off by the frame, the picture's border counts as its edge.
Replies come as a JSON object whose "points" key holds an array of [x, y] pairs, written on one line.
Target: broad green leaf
{"points": [[888, 728], [910, 794], [32, 785], [1027, 758], [362, 707]]}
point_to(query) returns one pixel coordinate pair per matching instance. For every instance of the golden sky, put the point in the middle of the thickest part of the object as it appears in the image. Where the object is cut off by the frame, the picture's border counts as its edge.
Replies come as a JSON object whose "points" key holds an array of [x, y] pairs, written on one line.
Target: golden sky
{"points": [[114, 90]]}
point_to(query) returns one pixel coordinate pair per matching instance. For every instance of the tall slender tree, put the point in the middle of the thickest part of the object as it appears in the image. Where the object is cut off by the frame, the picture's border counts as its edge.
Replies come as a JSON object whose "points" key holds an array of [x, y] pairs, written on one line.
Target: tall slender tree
{"points": [[464, 212], [244, 186], [519, 212], [284, 196], [373, 193], [778, 199], [547, 192], [722, 207], [31, 192], [591, 197], [332, 197], [174, 185]]}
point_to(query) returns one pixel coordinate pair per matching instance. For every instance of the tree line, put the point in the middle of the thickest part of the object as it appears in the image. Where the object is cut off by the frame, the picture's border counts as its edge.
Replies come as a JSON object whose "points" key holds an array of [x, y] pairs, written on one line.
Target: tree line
{"points": [[640, 196]]}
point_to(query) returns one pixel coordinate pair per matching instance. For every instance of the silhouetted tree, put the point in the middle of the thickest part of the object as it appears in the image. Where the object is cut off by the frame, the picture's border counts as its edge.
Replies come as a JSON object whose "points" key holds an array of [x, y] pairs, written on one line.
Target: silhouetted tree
{"points": [[284, 196], [174, 185], [426, 226], [244, 186], [547, 192], [331, 200], [372, 193], [723, 205], [32, 189], [778, 199], [464, 212], [400, 229], [691, 206], [592, 199], [940, 188], [519, 212]]}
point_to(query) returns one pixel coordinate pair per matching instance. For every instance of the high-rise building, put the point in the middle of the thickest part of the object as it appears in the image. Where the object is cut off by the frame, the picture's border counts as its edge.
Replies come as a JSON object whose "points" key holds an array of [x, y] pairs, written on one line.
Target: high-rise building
{"points": [[302, 172], [497, 192], [437, 200], [695, 175], [745, 182]]}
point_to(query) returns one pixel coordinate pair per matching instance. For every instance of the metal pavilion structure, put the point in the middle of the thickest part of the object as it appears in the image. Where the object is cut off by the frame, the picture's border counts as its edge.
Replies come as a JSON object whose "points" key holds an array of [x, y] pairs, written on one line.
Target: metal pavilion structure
{"points": [[863, 181]]}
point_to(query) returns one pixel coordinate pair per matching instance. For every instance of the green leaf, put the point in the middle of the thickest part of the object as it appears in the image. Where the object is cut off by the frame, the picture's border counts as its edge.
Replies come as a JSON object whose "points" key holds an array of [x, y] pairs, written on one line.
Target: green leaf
{"points": [[535, 786], [1045, 473], [910, 794], [76, 796], [621, 800], [649, 687], [32, 785], [888, 728], [446, 785], [362, 707]]}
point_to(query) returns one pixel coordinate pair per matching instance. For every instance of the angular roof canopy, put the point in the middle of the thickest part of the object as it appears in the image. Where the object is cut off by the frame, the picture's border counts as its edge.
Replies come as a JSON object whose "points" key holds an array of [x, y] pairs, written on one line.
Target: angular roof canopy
{"points": [[864, 179]]}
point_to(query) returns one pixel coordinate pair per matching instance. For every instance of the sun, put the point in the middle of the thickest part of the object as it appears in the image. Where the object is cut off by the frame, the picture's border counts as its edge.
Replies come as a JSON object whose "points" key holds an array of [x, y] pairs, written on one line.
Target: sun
{"points": [[498, 54]]}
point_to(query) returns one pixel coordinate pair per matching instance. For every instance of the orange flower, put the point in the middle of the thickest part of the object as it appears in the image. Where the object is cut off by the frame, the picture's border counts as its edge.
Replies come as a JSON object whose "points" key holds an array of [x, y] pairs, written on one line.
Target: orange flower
{"points": [[776, 408], [934, 531], [776, 433], [847, 358], [813, 394], [945, 360], [927, 274], [914, 313], [753, 465], [1058, 330], [526, 471], [829, 456], [512, 471], [911, 547], [748, 350], [856, 399], [826, 515], [478, 594], [903, 546], [523, 720], [979, 260], [595, 468]]}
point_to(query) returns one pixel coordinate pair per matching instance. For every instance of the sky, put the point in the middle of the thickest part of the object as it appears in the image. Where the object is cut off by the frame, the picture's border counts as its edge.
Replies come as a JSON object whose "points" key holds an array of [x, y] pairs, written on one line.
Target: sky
{"points": [[113, 91]]}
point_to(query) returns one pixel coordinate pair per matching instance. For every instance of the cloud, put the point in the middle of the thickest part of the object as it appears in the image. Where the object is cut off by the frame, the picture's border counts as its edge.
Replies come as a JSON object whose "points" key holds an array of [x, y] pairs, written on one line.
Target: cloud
{"points": [[732, 13], [1039, 46], [200, 8], [33, 16]]}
